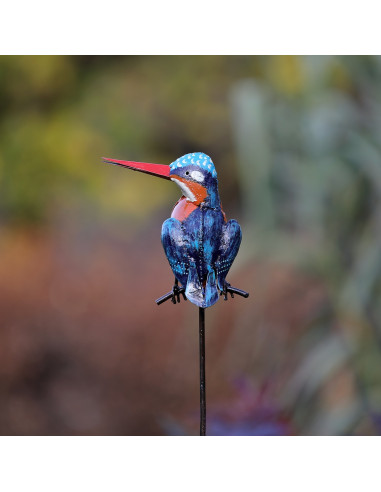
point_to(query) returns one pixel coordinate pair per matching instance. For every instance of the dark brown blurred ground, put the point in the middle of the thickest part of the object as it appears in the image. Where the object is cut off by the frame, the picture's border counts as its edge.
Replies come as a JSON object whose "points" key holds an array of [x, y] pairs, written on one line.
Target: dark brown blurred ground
{"points": [[85, 350]]}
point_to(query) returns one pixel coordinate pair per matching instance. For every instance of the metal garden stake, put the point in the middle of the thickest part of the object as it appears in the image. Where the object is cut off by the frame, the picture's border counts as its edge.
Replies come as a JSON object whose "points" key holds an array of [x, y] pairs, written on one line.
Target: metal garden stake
{"points": [[199, 242]]}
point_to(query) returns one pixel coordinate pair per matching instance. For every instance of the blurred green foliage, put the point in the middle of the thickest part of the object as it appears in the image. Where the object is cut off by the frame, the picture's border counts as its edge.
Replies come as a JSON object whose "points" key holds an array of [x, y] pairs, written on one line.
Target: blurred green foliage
{"points": [[296, 139], [309, 150], [59, 115]]}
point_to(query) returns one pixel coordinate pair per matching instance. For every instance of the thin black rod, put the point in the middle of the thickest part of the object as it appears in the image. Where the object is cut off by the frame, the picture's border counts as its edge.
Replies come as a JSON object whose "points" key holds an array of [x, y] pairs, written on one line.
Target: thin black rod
{"points": [[201, 320]]}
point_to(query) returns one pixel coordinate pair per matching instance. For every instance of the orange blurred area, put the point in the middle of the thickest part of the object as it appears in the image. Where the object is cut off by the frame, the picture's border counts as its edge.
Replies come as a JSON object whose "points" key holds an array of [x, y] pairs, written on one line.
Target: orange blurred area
{"points": [[85, 350]]}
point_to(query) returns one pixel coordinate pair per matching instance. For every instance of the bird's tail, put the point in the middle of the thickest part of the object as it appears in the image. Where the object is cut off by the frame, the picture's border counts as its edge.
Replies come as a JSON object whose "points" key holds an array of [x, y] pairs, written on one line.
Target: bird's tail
{"points": [[201, 296]]}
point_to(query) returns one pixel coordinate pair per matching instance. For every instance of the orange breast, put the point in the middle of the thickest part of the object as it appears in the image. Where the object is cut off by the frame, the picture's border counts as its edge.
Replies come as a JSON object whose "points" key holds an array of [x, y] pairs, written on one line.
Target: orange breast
{"points": [[183, 209]]}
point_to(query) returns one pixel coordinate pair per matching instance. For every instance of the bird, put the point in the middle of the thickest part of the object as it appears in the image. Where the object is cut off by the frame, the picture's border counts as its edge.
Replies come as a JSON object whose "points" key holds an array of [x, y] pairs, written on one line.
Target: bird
{"points": [[198, 241]]}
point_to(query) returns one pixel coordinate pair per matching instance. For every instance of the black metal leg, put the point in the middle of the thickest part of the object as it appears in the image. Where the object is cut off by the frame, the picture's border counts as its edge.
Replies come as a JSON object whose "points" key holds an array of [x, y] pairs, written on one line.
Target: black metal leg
{"points": [[174, 296], [229, 289], [202, 372]]}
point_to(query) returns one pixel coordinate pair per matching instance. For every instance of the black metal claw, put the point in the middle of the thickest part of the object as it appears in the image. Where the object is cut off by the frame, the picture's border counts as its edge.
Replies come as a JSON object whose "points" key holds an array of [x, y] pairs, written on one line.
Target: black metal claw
{"points": [[174, 295], [229, 289], [177, 291]]}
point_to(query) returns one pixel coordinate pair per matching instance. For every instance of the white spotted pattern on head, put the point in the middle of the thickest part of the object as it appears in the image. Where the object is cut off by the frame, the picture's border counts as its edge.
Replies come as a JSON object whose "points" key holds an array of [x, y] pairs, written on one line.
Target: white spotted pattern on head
{"points": [[196, 158]]}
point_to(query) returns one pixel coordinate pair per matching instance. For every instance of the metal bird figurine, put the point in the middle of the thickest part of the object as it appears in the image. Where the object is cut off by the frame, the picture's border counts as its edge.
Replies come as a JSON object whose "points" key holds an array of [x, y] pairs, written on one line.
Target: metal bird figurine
{"points": [[199, 242]]}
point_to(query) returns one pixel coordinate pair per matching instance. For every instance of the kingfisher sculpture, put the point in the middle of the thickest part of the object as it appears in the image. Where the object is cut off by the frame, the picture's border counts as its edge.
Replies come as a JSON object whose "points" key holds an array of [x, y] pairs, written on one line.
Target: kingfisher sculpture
{"points": [[198, 241]]}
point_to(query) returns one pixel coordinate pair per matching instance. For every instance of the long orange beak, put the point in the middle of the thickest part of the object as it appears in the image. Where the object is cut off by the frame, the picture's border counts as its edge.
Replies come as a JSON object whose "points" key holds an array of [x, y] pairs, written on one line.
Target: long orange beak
{"points": [[159, 170]]}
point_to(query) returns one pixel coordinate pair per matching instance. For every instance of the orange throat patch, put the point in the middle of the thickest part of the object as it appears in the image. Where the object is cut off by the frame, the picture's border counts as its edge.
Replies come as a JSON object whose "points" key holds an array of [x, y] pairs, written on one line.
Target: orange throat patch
{"points": [[193, 192]]}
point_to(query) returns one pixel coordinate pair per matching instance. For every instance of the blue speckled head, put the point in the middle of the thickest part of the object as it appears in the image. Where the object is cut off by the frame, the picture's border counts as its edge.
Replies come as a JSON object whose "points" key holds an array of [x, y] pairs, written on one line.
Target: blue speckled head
{"points": [[195, 170], [198, 159]]}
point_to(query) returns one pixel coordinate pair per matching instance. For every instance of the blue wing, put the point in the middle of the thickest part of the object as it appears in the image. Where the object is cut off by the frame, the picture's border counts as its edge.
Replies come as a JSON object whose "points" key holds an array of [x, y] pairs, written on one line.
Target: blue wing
{"points": [[174, 244], [229, 246]]}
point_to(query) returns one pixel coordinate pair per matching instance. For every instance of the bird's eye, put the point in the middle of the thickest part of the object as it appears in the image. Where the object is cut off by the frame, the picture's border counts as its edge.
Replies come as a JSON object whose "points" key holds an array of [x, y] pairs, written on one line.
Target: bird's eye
{"points": [[187, 173]]}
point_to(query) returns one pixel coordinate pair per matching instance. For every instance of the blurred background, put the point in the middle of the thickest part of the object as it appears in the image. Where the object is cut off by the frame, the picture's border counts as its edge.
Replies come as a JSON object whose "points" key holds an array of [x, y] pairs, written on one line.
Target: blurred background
{"points": [[297, 145]]}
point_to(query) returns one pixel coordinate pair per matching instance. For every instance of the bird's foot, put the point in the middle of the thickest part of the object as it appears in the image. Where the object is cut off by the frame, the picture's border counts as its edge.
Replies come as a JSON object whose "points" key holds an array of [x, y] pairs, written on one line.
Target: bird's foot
{"points": [[174, 295], [229, 289]]}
